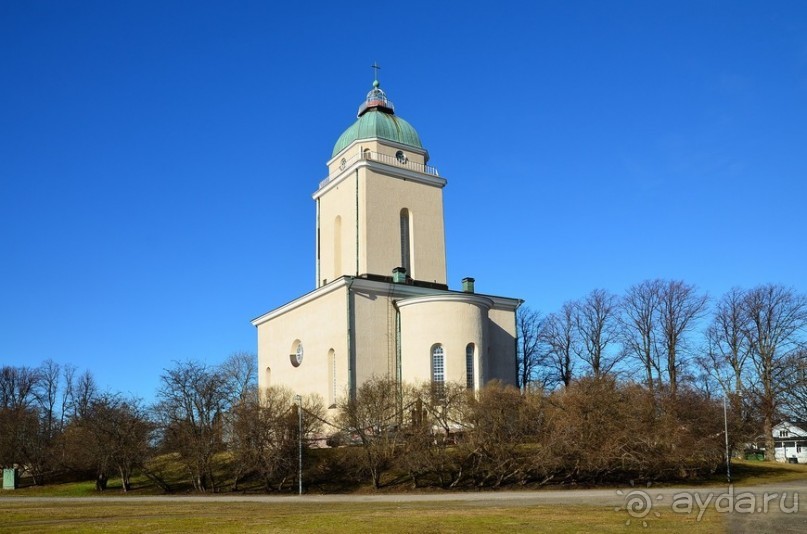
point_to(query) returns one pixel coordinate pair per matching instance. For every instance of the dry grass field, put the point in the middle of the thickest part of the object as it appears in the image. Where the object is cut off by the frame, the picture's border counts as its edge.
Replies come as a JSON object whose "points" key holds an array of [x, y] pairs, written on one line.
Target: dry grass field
{"points": [[31, 510], [223, 517]]}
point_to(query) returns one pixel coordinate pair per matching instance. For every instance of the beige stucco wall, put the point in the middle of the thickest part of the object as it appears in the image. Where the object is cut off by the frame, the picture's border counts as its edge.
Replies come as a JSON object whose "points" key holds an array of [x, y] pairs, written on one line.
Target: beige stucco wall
{"points": [[380, 225], [340, 201], [375, 339], [501, 346], [451, 320], [320, 324]]}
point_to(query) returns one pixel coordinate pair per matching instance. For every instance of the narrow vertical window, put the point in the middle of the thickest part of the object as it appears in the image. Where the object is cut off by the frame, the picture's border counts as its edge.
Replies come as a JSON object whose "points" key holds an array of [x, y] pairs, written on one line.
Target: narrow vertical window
{"points": [[469, 366], [438, 368], [405, 252], [332, 377], [337, 248]]}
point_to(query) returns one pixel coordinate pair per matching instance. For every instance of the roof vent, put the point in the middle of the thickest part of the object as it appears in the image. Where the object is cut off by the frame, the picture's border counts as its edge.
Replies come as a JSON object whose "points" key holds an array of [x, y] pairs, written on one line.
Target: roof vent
{"points": [[399, 275], [468, 285]]}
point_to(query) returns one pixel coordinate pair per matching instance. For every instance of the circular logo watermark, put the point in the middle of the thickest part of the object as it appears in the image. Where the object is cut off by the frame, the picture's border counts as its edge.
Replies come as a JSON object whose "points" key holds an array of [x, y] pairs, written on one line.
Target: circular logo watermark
{"points": [[638, 504]]}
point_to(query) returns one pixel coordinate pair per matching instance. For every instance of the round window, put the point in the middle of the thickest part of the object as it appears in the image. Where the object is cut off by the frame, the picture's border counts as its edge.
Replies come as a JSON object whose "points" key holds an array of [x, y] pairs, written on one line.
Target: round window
{"points": [[296, 356], [400, 156]]}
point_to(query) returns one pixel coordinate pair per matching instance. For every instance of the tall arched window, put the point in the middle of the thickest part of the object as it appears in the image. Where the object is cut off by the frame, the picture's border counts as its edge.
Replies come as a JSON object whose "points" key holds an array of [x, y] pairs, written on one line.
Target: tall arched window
{"points": [[469, 366], [438, 368], [405, 242]]}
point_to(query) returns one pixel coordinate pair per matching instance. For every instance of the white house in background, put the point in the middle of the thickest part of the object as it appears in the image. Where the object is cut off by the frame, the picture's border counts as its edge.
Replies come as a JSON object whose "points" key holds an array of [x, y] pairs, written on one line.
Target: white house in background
{"points": [[791, 442], [381, 306]]}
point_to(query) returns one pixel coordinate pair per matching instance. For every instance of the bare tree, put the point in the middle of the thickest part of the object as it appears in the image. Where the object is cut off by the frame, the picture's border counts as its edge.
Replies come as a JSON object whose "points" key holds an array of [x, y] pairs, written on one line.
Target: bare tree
{"points": [[795, 387], [32, 418], [528, 326], [83, 391], [680, 306], [639, 320], [374, 417], [192, 400], [596, 321], [42, 448], [17, 387], [48, 396], [776, 320], [727, 351], [436, 420], [265, 433], [445, 409], [559, 336], [114, 434], [500, 422], [606, 430], [19, 418], [240, 370], [68, 393]]}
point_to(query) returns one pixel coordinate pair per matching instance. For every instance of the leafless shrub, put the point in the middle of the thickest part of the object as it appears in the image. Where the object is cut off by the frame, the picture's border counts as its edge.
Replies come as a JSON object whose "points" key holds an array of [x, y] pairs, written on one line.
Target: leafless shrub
{"points": [[374, 417], [265, 434]]}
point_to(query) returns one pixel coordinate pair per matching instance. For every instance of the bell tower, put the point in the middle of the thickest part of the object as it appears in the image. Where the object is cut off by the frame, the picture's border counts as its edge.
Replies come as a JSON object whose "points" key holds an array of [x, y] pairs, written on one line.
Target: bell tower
{"points": [[382, 306], [381, 205]]}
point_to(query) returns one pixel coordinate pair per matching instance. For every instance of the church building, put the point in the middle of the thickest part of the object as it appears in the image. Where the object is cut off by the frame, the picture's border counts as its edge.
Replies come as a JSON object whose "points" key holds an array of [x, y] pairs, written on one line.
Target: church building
{"points": [[381, 306]]}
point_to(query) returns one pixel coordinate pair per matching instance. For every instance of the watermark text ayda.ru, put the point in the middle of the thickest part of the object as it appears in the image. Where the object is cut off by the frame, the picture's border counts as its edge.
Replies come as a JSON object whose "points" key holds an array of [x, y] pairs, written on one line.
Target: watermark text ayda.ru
{"points": [[640, 504]]}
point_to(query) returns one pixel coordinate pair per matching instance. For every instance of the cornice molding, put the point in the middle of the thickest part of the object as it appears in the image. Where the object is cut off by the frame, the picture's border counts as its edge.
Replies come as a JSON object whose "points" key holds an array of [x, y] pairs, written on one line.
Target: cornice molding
{"points": [[422, 151], [463, 298], [381, 168]]}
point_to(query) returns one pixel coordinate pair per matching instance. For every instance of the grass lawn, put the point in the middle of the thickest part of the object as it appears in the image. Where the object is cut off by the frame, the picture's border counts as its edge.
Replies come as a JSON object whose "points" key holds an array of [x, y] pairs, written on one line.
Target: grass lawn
{"points": [[748, 473], [213, 515], [210, 516]]}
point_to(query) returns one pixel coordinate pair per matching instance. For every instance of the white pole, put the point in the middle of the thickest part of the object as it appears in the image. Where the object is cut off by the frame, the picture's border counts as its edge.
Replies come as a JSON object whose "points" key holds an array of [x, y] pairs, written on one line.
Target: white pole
{"points": [[299, 402], [726, 432]]}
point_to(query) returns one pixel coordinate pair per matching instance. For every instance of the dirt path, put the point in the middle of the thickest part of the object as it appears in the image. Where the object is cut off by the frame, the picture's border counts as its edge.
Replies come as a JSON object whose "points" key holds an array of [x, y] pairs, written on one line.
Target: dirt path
{"points": [[594, 497]]}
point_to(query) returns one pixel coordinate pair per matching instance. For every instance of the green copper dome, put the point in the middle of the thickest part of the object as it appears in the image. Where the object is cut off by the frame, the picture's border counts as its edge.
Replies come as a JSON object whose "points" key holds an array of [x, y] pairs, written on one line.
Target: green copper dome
{"points": [[377, 119]]}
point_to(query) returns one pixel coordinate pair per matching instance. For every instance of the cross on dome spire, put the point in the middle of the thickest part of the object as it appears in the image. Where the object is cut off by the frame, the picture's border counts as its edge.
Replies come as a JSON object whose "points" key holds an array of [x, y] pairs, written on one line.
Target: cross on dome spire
{"points": [[376, 67]]}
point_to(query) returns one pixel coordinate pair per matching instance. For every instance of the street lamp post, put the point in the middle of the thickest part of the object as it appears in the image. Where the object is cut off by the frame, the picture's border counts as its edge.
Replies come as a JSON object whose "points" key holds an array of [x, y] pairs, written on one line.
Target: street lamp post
{"points": [[726, 432], [299, 402]]}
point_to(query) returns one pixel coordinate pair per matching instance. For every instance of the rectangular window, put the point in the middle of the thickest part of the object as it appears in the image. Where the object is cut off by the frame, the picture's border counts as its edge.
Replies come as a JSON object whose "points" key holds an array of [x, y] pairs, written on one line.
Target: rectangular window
{"points": [[438, 369], [332, 373], [405, 243], [333, 379]]}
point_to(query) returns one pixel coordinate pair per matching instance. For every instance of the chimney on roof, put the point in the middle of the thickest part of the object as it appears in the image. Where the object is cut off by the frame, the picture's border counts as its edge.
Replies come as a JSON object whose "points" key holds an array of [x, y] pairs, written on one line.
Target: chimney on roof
{"points": [[399, 275], [468, 285]]}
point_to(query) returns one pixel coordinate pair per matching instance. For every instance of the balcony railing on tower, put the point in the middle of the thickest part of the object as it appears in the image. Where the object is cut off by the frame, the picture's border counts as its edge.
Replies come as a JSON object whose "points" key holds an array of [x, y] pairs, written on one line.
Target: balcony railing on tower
{"points": [[385, 159]]}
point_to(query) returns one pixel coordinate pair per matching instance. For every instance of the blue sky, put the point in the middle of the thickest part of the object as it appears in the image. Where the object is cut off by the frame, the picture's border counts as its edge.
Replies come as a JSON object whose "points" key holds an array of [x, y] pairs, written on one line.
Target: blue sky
{"points": [[157, 158]]}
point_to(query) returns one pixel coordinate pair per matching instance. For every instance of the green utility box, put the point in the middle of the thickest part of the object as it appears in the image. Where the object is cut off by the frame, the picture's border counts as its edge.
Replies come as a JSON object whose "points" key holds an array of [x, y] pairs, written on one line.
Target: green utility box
{"points": [[9, 479]]}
